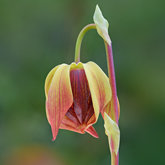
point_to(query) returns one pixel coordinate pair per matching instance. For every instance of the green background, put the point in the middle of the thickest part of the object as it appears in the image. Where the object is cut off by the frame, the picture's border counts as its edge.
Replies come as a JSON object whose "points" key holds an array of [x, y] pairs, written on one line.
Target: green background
{"points": [[36, 35]]}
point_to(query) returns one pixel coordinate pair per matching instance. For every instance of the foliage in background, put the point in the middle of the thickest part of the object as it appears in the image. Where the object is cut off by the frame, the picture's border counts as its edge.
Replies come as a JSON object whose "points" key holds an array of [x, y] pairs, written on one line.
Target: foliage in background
{"points": [[37, 35]]}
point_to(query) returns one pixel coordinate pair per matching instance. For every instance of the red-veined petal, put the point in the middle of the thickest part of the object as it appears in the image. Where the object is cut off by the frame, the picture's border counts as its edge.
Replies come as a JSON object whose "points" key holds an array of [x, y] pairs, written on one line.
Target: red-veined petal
{"points": [[80, 115], [92, 131], [68, 124], [47, 84], [60, 97], [49, 79], [99, 86]]}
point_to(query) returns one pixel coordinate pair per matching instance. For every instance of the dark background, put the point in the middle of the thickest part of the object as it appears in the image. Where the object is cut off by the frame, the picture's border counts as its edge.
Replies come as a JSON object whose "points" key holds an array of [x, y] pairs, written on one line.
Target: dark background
{"points": [[36, 35]]}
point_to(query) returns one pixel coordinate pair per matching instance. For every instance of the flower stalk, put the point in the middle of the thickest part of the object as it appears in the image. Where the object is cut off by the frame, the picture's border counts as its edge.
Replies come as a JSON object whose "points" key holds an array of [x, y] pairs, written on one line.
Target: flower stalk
{"points": [[114, 101], [112, 79], [114, 159]]}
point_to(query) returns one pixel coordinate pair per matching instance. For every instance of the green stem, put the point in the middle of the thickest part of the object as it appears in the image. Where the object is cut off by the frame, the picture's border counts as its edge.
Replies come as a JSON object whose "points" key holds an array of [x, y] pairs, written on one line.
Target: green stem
{"points": [[79, 40]]}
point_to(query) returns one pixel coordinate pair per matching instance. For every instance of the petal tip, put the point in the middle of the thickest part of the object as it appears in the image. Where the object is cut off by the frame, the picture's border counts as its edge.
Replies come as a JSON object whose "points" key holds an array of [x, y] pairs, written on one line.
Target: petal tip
{"points": [[92, 131]]}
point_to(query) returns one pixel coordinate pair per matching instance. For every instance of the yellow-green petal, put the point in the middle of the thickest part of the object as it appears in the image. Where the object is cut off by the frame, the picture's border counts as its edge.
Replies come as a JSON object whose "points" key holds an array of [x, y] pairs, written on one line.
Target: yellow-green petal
{"points": [[49, 79], [59, 97], [101, 25], [99, 87], [113, 133]]}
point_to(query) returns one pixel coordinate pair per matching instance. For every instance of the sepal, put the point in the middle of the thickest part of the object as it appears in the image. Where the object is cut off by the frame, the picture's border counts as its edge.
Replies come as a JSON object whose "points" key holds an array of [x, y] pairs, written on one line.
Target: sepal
{"points": [[99, 87], [101, 25], [113, 133]]}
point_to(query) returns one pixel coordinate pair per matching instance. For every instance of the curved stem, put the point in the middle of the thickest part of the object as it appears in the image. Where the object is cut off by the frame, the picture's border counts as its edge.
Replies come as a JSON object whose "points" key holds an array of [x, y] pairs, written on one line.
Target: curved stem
{"points": [[79, 40]]}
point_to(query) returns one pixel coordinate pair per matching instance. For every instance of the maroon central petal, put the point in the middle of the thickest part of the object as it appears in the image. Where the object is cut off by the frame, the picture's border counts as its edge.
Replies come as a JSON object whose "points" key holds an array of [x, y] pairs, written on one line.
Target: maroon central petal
{"points": [[81, 114]]}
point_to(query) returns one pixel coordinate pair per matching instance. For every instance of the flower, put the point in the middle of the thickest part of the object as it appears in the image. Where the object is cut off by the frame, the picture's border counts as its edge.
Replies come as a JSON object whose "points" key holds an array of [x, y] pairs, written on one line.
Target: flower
{"points": [[75, 95]]}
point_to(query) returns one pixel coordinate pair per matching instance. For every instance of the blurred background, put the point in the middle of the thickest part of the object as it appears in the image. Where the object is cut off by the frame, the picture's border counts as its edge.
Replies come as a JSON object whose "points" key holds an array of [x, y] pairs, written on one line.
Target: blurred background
{"points": [[36, 35]]}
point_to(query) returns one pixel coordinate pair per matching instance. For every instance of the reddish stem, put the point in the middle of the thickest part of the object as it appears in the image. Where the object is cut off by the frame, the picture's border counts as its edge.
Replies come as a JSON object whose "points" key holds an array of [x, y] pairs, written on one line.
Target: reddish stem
{"points": [[114, 159], [112, 79]]}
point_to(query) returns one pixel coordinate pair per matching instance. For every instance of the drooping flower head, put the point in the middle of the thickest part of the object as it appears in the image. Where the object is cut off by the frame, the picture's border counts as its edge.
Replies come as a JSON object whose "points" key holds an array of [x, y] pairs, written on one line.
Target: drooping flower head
{"points": [[75, 95]]}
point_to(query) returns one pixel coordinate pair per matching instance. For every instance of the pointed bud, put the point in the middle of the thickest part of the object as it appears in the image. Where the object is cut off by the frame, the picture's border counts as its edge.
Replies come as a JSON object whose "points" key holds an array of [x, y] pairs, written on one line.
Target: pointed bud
{"points": [[101, 25]]}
